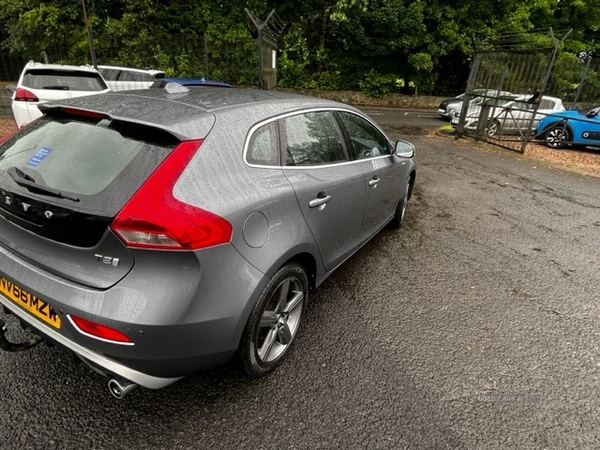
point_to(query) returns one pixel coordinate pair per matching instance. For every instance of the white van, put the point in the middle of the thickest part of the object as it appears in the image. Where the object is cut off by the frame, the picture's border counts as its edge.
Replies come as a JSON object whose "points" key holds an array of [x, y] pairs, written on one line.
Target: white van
{"points": [[124, 78]]}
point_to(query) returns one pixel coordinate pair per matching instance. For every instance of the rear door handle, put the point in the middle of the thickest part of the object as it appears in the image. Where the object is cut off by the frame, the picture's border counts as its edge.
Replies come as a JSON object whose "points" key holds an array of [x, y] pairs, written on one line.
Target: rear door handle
{"points": [[319, 202], [374, 181]]}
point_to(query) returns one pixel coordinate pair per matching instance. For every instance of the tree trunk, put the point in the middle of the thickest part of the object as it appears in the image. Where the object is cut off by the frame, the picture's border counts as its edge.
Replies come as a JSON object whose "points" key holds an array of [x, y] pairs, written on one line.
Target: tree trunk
{"points": [[323, 35]]}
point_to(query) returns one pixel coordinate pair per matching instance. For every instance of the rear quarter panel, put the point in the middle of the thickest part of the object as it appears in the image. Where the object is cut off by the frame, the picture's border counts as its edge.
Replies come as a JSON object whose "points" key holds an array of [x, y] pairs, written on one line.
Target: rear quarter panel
{"points": [[268, 226]]}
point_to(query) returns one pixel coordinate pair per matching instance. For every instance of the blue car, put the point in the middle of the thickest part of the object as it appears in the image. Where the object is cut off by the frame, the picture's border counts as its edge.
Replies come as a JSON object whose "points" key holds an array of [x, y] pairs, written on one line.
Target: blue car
{"points": [[570, 128]]}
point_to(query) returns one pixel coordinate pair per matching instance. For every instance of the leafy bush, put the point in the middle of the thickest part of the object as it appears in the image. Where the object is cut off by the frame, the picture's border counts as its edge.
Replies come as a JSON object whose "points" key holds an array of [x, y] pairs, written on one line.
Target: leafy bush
{"points": [[376, 85]]}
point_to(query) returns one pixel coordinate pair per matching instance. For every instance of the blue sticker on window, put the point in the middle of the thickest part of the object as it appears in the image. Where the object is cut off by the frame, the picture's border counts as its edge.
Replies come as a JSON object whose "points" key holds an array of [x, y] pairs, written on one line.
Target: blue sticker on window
{"points": [[36, 159]]}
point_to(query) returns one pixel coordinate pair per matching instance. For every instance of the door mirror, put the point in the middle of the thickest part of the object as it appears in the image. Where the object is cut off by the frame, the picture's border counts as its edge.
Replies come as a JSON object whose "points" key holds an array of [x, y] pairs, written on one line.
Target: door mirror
{"points": [[11, 88], [404, 149]]}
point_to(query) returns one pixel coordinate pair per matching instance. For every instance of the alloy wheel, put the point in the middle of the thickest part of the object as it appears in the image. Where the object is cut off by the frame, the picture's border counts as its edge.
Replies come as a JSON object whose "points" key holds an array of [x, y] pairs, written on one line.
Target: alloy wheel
{"points": [[557, 136], [279, 320]]}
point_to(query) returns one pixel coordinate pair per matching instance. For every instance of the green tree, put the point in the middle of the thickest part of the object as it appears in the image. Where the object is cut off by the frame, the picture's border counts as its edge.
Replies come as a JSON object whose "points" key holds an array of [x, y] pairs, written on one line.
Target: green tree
{"points": [[379, 46]]}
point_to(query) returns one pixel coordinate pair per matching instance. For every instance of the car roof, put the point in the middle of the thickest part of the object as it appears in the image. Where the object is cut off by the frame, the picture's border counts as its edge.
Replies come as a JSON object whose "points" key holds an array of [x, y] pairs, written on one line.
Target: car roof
{"points": [[43, 66], [193, 81], [528, 96], [191, 113], [132, 69]]}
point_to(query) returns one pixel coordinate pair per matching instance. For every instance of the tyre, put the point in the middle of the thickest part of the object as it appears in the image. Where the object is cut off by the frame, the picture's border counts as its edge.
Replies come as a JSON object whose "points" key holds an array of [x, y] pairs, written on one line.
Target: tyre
{"points": [[557, 136], [398, 218], [493, 127], [274, 321]]}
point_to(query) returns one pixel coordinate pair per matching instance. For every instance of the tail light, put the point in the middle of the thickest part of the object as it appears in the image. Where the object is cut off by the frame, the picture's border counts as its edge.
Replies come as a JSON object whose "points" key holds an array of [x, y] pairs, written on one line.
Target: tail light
{"points": [[23, 95], [154, 219], [99, 331]]}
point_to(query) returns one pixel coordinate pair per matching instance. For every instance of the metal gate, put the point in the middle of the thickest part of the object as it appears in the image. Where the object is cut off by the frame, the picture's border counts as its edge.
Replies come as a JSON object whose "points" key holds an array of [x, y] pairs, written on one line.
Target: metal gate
{"points": [[506, 96]]}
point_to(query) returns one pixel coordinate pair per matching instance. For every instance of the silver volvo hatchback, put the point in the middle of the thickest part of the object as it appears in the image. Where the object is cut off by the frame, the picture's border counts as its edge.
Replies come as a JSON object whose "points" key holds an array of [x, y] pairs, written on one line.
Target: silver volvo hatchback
{"points": [[162, 232]]}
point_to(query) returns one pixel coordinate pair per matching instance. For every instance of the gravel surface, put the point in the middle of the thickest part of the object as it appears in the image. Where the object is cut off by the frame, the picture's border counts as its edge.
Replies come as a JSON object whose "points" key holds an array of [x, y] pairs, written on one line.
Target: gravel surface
{"points": [[587, 161]]}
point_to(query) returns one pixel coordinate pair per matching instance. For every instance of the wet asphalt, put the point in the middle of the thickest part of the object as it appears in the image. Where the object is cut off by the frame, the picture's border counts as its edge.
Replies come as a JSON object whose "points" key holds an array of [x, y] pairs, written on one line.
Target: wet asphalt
{"points": [[476, 326]]}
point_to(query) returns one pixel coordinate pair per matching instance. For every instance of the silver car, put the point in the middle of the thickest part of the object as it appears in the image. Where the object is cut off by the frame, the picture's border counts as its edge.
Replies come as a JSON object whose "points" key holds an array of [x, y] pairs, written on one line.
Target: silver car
{"points": [[522, 115], [510, 114], [161, 232]]}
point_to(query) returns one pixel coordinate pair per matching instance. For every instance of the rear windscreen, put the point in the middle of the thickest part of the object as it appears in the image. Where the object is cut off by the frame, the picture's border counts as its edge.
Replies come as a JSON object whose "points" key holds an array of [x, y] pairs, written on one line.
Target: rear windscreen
{"points": [[64, 80], [99, 162]]}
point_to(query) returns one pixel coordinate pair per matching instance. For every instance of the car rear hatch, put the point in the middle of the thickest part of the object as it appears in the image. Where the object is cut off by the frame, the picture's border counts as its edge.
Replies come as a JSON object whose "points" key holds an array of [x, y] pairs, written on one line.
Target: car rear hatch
{"points": [[63, 179], [54, 84]]}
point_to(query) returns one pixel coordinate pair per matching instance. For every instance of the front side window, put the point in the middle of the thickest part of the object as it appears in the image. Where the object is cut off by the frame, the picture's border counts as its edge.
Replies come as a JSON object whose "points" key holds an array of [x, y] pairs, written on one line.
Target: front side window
{"points": [[366, 140], [312, 139]]}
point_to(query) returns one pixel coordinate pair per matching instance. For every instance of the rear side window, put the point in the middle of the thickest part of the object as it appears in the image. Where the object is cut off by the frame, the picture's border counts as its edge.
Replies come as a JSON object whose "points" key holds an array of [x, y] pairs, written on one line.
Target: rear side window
{"points": [[109, 74], [263, 148], [366, 141], [312, 139], [127, 75], [64, 80], [547, 104]]}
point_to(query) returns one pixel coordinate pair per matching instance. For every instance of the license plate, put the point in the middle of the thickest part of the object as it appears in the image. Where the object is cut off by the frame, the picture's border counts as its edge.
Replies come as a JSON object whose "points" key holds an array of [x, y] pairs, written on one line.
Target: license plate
{"points": [[26, 300]]}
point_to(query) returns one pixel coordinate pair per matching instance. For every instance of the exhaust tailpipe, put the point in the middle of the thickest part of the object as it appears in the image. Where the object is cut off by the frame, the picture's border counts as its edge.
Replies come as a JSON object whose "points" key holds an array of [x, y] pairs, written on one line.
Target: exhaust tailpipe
{"points": [[120, 388]]}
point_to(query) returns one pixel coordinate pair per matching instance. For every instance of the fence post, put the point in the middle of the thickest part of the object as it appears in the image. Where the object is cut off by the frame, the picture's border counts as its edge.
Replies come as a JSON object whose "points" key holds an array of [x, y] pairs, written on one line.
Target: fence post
{"points": [[468, 95], [260, 26], [587, 57], [89, 35]]}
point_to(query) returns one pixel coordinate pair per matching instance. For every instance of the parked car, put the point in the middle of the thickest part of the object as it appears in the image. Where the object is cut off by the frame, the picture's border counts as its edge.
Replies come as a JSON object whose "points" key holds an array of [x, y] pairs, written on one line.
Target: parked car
{"points": [[510, 114], [491, 97], [126, 78], [518, 115], [443, 110], [40, 83], [570, 128], [449, 106], [189, 82], [157, 234]]}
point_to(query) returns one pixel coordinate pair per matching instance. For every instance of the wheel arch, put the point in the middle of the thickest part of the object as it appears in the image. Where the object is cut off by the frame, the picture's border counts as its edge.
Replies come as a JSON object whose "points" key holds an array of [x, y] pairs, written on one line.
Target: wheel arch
{"points": [[412, 178], [556, 123], [309, 264]]}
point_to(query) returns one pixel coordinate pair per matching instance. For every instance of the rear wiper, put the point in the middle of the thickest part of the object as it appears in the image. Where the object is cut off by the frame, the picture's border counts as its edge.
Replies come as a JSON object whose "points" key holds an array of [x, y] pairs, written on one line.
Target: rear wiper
{"points": [[19, 173], [27, 181], [58, 86]]}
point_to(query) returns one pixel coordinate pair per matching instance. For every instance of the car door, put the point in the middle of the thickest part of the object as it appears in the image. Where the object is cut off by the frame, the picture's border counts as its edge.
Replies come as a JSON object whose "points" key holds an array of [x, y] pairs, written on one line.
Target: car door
{"points": [[383, 173], [329, 188]]}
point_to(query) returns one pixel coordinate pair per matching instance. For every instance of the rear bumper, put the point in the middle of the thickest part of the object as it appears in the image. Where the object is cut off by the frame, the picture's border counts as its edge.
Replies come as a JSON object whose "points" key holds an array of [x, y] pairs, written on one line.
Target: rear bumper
{"points": [[107, 366], [184, 318]]}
